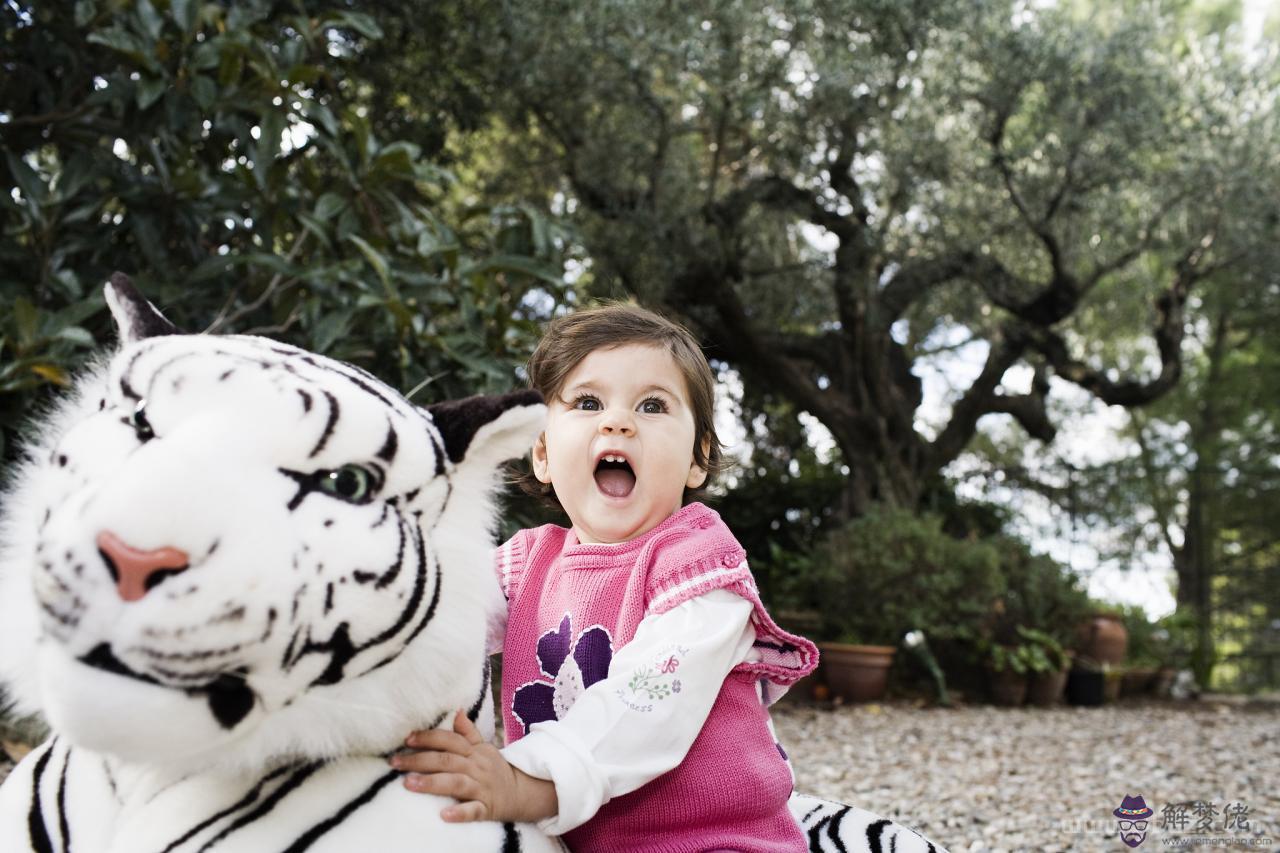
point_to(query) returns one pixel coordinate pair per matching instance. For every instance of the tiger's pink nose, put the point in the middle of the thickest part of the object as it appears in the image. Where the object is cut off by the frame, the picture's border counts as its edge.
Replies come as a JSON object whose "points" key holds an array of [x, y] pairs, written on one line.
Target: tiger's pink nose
{"points": [[135, 571]]}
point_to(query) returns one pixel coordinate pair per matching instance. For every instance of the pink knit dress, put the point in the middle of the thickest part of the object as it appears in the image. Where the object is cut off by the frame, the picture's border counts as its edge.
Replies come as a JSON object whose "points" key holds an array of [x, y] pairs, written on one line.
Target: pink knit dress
{"points": [[570, 601]]}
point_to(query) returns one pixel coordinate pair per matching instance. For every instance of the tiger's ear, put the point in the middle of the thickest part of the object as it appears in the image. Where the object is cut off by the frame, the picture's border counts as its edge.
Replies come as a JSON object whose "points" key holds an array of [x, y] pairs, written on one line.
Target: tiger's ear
{"points": [[135, 317], [489, 430]]}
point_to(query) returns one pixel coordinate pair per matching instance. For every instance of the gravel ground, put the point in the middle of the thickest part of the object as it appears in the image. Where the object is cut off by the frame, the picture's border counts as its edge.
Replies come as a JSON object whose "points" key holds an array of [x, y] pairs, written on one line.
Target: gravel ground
{"points": [[994, 779], [997, 779]]}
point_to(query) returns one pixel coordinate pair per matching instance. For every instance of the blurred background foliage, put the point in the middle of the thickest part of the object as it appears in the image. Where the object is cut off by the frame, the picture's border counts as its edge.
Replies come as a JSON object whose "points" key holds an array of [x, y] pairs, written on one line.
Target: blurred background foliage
{"points": [[846, 199]]}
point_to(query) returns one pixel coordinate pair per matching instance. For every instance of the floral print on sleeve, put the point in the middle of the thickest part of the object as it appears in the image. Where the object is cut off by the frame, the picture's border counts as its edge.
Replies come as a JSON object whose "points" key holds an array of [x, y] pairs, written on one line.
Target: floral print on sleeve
{"points": [[655, 681]]}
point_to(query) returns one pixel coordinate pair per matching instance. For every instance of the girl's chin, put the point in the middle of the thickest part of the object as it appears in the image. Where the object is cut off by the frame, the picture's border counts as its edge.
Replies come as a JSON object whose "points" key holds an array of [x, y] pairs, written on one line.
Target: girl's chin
{"points": [[609, 529]]}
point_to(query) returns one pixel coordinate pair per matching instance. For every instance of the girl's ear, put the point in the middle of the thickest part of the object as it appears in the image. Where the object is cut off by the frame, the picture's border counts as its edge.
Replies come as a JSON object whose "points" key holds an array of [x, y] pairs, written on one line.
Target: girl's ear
{"points": [[698, 474], [541, 468]]}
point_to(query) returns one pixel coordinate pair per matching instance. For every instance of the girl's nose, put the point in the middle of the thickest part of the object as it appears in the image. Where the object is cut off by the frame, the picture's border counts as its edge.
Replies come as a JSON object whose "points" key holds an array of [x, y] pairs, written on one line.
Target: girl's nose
{"points": [[616, 422]]}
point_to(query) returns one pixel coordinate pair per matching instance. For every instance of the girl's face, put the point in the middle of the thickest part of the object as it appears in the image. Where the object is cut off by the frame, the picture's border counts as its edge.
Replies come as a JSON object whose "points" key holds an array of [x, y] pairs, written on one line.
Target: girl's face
{"points": [[618, 446]]}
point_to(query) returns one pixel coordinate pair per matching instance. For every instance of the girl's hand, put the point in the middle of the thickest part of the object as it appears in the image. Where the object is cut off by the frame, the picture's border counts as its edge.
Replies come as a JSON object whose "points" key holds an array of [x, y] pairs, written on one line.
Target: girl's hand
{"points": [[460, 764]]}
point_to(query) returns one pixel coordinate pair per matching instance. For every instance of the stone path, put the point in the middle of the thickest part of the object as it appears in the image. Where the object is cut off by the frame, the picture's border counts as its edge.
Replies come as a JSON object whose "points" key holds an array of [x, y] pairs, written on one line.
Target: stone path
{"points": [[994, 779]]}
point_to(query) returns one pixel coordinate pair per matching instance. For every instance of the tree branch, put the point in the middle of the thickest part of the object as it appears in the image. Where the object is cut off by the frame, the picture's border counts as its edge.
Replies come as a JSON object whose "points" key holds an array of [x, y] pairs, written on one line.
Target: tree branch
{"points": [[1007, 346], [1169, 331], [916, 278], [1029, 409]]}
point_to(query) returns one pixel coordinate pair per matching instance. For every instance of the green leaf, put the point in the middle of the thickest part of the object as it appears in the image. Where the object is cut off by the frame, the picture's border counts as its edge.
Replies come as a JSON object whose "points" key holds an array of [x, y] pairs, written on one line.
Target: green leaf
{"points": [[85, 12], [329, 205], [204, 91], [26, 320], [375, 258], [316, 227], [330, 328], [185, 13], [119, 39], [149, 91], [210, 267], [149, 18], [512, 263], [27, 179], [78, 171], [361, 23], [78, 336], [321, 115]]}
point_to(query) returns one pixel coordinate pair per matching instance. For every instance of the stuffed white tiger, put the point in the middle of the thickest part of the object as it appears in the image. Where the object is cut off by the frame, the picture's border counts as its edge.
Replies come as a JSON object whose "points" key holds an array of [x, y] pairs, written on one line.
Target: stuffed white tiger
{"points": [[234, 575]]}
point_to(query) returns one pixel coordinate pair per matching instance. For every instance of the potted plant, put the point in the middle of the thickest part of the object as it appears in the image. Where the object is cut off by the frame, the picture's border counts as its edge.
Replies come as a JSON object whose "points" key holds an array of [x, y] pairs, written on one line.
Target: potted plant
{"points": [[887, 573], [856, 672], [1050, 663], [1008, 667], [1148, 652]]}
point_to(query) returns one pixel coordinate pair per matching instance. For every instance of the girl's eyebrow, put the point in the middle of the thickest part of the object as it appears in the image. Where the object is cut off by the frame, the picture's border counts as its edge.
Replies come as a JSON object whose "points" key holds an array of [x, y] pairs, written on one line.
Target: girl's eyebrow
{"points": [[593, 387]]}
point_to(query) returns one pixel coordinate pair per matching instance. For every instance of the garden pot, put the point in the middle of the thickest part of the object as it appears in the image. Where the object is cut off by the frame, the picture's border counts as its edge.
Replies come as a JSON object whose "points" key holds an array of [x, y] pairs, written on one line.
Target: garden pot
{"points": [[1103, 639], [803, 689], [1086, 687], [1044, 689], [1007, 687], [856, 673], [1163, 682], [1137, 682], [1111, 684]]}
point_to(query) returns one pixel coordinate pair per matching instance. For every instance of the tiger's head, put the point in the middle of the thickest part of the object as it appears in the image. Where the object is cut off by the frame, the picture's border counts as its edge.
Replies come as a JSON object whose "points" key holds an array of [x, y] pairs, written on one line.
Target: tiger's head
{"points": [[223, 549]]}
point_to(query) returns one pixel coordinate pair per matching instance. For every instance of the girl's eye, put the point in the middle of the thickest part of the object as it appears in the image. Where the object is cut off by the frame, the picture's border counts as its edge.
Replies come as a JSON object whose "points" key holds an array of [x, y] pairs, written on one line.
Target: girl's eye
{"points": [[586, 403], [653, 406], [354, 483]]}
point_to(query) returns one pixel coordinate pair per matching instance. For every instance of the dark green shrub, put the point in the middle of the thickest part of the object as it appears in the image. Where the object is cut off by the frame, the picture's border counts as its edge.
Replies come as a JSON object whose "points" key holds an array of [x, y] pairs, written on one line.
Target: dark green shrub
{"points": [[892, 571]]}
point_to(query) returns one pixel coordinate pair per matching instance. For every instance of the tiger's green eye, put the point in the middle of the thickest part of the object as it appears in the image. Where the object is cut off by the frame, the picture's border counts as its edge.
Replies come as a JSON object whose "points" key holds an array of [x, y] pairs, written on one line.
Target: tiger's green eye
{"points": [[140, 423], [354, 483]]}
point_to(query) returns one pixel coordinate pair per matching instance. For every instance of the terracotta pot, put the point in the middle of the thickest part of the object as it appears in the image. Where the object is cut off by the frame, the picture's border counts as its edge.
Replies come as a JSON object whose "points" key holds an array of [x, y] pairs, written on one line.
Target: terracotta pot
{"points": [[1104, 639], [804, 689], [856, 673], [1137, 682], [1044, 689], [1007, 687]]}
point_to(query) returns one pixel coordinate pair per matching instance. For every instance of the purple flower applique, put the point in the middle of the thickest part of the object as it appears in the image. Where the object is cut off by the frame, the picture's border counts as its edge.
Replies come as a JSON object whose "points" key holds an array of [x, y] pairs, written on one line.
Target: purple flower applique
{"points": [[570, 666]]}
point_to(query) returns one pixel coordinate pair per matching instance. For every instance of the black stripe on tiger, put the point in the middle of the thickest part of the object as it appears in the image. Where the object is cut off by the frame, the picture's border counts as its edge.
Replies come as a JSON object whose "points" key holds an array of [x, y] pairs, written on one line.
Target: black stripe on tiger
{"points": [[314, 833], [815, 834], [388, 451], [328, 426], [36, 830], [426, 618], [244, 802], [510, 838], [473, 713], [875, 832], [368, 387], [393, 571], [63, 829], [289, 786]]}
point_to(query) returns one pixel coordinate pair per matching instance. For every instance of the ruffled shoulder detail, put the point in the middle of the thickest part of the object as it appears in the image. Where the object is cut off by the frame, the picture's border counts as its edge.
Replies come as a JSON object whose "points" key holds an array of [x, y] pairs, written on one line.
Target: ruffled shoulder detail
{"points": [[701, 554]]}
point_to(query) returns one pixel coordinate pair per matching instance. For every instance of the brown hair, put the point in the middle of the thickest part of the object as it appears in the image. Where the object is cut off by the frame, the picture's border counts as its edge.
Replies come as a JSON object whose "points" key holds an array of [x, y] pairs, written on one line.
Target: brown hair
{"points": [[571, 338]]}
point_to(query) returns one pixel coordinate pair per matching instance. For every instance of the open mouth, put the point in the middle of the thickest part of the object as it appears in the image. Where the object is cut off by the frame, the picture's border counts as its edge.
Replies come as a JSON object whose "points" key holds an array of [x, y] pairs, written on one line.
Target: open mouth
{"points": [[229, 698], [614, 476]]}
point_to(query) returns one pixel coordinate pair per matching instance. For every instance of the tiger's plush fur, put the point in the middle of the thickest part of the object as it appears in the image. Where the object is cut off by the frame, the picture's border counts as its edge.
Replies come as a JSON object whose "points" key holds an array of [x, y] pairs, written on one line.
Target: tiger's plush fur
{"points": [[233, 576]]}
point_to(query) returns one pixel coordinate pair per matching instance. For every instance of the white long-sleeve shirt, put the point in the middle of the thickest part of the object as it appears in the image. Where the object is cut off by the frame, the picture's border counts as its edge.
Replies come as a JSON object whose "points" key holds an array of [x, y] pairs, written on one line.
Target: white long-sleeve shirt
{"points": [[612, 740]]}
